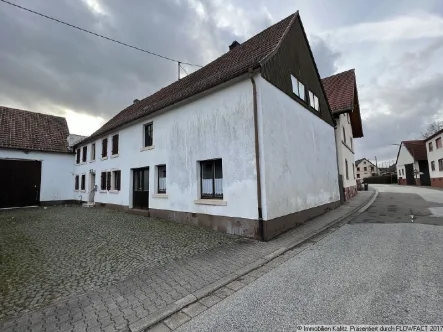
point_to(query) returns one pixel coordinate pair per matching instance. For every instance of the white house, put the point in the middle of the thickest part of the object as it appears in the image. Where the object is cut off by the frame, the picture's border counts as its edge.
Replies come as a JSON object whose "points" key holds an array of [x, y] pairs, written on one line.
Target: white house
{"points": [[245, 145], [342, 94], [412, 164], [365, 168], [35, 162], [434, 150]]}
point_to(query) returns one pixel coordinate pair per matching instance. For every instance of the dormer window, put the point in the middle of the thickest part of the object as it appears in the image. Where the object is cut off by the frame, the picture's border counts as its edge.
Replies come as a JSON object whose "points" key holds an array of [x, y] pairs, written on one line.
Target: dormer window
{"points": [[313, 101], [298, 88]]}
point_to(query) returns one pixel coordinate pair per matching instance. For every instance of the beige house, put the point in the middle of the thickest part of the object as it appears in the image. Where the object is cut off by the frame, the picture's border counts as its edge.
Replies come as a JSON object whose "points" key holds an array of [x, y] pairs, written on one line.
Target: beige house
{"points": [[365, 169]]}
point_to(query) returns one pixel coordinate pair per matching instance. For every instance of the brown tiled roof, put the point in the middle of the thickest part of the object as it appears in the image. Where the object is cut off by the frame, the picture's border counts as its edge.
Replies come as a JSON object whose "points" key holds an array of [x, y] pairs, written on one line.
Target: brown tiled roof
{"points": [[417, 149], [340, 90], [32, 131], [230, 65]]}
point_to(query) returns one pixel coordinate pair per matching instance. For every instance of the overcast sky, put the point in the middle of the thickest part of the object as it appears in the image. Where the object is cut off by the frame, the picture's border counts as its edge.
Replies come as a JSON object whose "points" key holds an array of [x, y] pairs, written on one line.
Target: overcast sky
{"points": [[396, 48]]}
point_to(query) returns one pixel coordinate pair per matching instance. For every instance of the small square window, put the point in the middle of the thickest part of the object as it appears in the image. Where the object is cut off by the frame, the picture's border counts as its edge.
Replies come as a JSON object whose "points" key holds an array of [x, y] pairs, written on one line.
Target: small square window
{"points": [[148, 134], [211, 179], [161, 173]]}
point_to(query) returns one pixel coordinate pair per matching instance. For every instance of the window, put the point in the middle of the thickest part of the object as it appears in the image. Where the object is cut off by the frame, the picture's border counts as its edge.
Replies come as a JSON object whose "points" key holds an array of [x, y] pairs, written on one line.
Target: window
{"points": [[352, 143], [347, 171], [93, 151], [115, 145], [83, 183], [313, 101], [358, 176], [438, 143], [211, 179], [116, 180], [148, 134], [353, 171], [161, 173], [344, 134], [403, 171], [298, 88], [349, 118], [105, 181], [372, 168], [365, 169], [85, 151], [76, 183], [430, 147], [432, 165], [77, 157], [104, 147], [440, 164], [358, 169]]}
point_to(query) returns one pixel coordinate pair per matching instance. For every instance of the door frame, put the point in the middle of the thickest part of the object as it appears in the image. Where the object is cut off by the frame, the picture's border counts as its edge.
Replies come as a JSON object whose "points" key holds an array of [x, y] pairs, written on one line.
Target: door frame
{"points": [[134, 192]]}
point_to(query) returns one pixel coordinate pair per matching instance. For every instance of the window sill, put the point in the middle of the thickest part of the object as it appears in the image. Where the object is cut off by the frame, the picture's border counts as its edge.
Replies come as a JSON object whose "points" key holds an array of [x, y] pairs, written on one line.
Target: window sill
{"points": [[83, 191], [103, 191], [115, 155], [159, 195], [104, 158], [204, 201], [114, 191], [76, 190], [146, 148], [83, 163], [92, 161]]}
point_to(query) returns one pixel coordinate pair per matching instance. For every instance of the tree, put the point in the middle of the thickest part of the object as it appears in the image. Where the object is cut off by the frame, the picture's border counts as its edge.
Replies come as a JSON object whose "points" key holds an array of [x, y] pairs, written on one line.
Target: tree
{"points": [[431, 129]]}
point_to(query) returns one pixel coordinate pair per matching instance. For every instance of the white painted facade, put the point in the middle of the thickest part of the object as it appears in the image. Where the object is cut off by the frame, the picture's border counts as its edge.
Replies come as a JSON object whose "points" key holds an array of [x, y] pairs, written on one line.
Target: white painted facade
{"points": [[366, 169], [297, 155], [56, 173], [345, 150], [434, 156], [218, 125], [405, 158]]}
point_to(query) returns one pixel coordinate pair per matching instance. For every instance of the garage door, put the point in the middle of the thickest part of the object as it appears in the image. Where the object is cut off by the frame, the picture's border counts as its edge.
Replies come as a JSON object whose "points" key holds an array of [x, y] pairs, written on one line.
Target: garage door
{"points": [[19, 183]]}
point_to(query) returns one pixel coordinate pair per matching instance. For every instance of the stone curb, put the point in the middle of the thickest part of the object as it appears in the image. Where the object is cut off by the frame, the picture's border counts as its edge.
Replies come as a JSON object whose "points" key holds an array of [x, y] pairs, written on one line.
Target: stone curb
{"points": [[160, 315]]}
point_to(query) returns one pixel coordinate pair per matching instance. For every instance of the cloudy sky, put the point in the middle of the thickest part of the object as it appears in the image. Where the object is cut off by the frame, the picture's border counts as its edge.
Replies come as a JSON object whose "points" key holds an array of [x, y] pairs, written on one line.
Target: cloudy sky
{"points": [[396, 48]]}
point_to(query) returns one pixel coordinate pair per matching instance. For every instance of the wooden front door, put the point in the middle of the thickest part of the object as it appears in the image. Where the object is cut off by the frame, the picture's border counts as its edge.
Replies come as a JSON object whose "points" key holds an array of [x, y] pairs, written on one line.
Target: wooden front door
{"points": [[141, 189], [20, 183], [410, 176]]}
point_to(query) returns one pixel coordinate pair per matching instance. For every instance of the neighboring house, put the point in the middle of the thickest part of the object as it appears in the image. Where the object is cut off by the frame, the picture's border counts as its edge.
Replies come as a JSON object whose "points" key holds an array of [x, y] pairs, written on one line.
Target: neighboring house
{"points": [[341, 90], [35, 163], [412, 164], [434, 150], [388, 170], [365, 169], [244, 145]]}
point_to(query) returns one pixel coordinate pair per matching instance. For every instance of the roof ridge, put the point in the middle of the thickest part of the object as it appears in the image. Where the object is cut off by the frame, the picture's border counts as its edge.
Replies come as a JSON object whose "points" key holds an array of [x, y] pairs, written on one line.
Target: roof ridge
{"points": [[22, 110]]}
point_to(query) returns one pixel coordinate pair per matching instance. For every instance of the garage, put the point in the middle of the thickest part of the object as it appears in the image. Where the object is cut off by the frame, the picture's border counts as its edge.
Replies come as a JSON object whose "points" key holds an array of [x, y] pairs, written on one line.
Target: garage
{"points": [[20, 183]]}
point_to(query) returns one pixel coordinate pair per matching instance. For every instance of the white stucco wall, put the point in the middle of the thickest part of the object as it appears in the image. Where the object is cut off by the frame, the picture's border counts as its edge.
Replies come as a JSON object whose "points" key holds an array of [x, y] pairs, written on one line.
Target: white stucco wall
{"points": [[360, 169], [297, 155], [345, 151], [405, 158], [434, 155], [56, 174], [219, 125]]}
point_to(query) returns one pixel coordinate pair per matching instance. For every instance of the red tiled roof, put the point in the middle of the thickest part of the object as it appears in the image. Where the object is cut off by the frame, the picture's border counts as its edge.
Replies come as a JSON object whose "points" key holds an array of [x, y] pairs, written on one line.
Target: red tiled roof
{"points": [[230, 65], [32, 131], [339, 90], [417, 149]]}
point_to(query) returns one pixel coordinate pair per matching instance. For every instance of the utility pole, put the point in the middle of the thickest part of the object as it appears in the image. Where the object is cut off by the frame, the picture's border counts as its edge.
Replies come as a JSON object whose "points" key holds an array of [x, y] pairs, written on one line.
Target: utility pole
{"points": [[376, 166], [178, 67]]}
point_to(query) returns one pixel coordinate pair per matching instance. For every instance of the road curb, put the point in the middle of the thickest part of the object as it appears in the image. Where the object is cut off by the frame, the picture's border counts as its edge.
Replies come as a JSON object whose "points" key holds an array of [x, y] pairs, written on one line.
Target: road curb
{"points": [[160, 315]]}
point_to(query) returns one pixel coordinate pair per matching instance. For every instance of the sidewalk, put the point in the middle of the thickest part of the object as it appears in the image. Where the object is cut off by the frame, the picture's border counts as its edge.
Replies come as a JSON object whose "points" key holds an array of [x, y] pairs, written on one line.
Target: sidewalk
{"points": [[143, 300]]}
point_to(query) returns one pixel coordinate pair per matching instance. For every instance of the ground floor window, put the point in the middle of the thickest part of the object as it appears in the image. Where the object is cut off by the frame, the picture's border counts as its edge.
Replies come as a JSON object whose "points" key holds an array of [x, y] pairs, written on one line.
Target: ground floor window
{"points": [[211, 179], [347, 170], [440, 164], [83, 182], [161, 186], [76, 184], [116, 176], [432, 165]]}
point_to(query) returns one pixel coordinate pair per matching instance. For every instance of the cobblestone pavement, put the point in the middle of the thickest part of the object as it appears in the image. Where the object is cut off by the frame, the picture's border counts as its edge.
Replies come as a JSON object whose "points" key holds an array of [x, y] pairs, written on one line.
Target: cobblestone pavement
{"points": [[207, 257], [53, 253]]}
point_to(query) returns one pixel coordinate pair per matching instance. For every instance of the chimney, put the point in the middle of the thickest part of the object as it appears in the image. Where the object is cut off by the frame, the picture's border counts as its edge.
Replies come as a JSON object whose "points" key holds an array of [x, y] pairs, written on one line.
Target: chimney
{"points": [[233, 45], [136, 101]]}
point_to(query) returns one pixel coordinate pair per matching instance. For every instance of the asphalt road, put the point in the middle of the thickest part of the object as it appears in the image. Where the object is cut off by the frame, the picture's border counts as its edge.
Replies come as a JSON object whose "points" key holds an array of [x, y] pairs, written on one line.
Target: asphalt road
{"points": [[379, 269]]}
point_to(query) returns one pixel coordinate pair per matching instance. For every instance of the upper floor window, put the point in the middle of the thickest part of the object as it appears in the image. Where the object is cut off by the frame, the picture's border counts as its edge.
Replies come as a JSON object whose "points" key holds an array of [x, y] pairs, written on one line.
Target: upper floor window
{"points": [[365, 169], [93, 151], [211, 179], [104, 147], [358, 169], [298, 88], [77, 156], [115, 145], [372, 168], [313, 101], [347, 171], [352, 143], [344, 134], [85, 151], [438, 143], [148, 134], [161, 172], [430, 147]]}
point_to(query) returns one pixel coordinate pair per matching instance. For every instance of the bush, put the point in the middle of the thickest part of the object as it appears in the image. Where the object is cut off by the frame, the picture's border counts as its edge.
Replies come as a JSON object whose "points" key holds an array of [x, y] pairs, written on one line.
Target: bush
{"points": [[382, 179]]}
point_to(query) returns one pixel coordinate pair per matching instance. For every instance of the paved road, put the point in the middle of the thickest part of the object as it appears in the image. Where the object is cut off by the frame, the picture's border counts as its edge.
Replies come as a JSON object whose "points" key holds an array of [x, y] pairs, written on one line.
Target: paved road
{"points": [[379, 269]]}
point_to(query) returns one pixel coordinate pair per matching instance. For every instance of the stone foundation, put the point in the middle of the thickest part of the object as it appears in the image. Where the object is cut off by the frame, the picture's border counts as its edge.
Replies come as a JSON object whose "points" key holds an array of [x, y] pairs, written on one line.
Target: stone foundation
{"points": [[437, 182], [350, 192]]}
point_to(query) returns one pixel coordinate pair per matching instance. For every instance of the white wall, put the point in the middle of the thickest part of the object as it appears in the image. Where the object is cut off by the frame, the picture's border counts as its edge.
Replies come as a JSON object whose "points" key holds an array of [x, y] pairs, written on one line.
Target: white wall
{"points": [[219, 125], [434, 155], [405, 158], [57, 172], [297, 155], [345, 151]]}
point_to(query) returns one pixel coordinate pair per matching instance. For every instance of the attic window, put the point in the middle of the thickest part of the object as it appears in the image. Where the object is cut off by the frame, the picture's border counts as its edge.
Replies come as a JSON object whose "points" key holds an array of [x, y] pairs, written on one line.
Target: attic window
{"points": [[313, 101], [298, 88]]}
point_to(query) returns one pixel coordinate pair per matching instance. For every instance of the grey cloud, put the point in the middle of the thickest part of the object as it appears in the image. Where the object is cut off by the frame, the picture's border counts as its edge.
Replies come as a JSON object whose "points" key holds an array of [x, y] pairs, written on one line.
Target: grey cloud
{"points": [[325, 57]]}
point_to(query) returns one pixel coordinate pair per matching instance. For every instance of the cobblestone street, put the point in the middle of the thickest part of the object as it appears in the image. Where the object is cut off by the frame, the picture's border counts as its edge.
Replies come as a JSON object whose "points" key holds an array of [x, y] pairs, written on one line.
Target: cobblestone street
{"points": [[54, 253]]}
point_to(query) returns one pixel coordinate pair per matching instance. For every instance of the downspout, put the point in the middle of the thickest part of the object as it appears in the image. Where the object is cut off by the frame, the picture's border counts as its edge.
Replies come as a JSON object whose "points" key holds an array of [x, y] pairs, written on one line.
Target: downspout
{"points": [[257, 156], [337, 144]]}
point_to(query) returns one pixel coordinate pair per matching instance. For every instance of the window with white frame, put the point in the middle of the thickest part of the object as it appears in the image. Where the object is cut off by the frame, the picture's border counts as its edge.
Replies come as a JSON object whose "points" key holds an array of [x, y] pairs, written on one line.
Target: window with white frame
{"points": [[211, 178], [161, 178], [77, 156], [84, 155], [105, 180], [116, 180], [83, 182], [298, 88], [433, 166], [77, 181], [313, 101], [148, 134]]}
